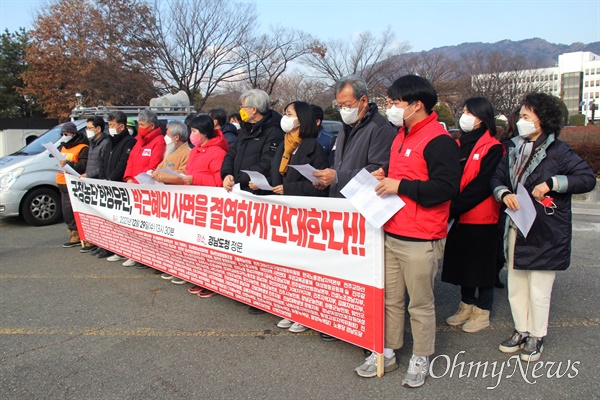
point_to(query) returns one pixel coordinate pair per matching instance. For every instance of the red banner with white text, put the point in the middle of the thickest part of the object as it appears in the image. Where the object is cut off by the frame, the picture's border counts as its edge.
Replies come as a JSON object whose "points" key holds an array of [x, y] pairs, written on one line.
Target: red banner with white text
{"points": [[312, 260]]}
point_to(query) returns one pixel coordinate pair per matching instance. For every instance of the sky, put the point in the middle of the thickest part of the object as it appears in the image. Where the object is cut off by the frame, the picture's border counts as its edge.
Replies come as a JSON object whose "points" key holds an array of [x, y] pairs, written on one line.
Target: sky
{"points": [[424, 24]]}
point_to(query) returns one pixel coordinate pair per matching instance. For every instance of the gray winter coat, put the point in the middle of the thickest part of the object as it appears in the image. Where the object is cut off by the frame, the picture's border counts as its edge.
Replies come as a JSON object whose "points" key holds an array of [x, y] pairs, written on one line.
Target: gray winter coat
{"points": [[366, 145]]}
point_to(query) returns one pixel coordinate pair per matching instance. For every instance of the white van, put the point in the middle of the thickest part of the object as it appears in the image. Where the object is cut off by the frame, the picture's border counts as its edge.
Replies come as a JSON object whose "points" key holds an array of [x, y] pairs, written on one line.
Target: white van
{"points": [[28, 177], [28, 181]]}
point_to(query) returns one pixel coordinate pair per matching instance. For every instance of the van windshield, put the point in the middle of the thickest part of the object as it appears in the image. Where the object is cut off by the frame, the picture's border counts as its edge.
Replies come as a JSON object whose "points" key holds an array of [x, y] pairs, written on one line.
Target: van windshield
{"points": [[36, 147]]}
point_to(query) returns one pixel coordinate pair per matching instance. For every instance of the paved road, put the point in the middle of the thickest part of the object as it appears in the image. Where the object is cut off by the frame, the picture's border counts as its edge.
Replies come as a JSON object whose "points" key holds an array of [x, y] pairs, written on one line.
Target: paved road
{"points": [[75, 327]]}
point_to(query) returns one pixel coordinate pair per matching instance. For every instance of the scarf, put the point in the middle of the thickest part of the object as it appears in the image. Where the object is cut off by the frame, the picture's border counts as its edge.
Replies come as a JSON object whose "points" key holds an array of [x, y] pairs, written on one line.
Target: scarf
{"points": [[291, 142], [523, 149], [527, 151]]}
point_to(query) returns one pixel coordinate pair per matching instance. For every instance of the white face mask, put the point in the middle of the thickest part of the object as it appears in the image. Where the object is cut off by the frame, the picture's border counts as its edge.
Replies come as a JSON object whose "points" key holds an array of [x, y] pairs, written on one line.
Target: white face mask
{"points": [[66, 139], [525, 128], [90, 133], [130, 131], [112, 131], [467, 122], [287, 123], [349, 115], [237, 126], [168, 140], [395, 115]]}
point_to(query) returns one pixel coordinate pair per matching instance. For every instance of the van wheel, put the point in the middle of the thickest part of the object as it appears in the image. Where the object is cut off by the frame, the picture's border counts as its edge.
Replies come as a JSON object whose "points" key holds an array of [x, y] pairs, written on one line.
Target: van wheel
{"points": [[41, 207]]}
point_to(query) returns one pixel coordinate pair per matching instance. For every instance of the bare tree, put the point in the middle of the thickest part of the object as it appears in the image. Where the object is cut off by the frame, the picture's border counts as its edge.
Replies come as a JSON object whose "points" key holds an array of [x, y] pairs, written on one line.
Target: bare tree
{"points": [[445, 74], [196, 44], [296, 86], [373, 59], [504, 79], [266, 57]]}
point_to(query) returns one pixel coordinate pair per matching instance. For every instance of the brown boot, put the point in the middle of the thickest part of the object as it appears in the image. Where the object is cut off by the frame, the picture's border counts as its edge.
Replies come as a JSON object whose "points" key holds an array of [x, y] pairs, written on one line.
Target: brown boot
{"points": [[479, 320], [461, 316], [73, 239]]}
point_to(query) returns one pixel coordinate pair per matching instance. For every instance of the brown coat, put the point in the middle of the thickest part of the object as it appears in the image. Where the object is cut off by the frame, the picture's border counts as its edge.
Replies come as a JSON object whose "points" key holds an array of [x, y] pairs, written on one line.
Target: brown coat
{"points": [[177, 161]]}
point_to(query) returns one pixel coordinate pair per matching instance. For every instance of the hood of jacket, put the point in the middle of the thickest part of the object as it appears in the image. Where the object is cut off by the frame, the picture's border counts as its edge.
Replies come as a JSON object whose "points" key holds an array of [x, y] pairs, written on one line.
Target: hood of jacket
{"points": [[77, 139], [149, 137], [229, 128], [219, 140], [271, 119]]}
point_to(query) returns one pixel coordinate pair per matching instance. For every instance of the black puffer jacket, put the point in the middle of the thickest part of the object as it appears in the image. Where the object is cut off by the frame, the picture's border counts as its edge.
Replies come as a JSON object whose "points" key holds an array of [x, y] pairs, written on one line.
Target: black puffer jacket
{"points": [[116, 162], [254, 150], [230, 132], [548, 243], [99, 151]]}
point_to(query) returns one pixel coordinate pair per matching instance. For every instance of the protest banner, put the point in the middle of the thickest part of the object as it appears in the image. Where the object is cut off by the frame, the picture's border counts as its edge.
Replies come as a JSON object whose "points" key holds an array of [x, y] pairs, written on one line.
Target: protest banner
{"points": [[312, 260]]}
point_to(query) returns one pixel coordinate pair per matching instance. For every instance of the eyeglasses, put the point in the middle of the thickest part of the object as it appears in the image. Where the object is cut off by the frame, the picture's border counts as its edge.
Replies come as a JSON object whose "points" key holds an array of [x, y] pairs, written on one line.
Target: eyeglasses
{"points": [[346, 107]]}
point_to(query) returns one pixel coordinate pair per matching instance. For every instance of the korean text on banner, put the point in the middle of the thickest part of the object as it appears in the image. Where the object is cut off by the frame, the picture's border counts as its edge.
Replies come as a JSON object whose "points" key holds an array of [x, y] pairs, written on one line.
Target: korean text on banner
{"points": [[314, 262]]}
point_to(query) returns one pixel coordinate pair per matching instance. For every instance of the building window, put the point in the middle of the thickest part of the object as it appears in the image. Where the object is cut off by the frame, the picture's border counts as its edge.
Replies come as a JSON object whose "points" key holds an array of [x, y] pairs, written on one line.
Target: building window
{"points": [[587, 71]]}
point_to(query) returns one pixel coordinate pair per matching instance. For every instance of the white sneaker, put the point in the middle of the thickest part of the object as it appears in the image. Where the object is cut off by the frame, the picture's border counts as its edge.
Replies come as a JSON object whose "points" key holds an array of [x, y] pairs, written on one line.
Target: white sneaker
{"points": [[129, 263], [369, 368], [418, 369], [115, 257], [297, 328], [285, 323]]}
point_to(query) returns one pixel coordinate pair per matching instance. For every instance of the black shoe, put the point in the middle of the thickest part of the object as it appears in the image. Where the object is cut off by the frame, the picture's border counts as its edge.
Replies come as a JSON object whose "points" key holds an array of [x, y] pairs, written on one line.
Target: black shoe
{"points": [[514, 343], [328, 338], [255, 311], [71, 244], [87, 249], [104, 253], [95, 251], [533, 349], [157, 271], [142, 266], [367, 352]]}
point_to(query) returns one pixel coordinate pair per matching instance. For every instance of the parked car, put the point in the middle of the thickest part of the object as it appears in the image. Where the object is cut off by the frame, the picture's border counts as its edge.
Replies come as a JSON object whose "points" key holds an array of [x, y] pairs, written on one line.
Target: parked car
{"points": [[334, 127], [28, 181]]}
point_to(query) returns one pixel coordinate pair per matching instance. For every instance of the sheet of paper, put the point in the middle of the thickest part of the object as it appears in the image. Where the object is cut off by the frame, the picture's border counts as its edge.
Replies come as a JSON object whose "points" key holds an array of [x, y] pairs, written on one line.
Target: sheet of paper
{"points": [[525, 215], [307, 171], [145, 179], [258, 179], [69, 170], [54, 151], [361, 193], [171, 172]]}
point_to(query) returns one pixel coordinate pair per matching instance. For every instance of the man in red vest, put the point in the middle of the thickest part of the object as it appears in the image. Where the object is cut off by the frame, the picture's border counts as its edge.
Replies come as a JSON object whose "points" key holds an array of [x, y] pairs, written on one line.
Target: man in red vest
{"points": [[424, 171], [75, 148]]}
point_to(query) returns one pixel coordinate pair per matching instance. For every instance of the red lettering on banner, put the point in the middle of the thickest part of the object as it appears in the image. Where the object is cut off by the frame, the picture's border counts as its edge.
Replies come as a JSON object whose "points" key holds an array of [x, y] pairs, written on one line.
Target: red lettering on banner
{"points": [[216, 213], [229, 216], [345, 309]]}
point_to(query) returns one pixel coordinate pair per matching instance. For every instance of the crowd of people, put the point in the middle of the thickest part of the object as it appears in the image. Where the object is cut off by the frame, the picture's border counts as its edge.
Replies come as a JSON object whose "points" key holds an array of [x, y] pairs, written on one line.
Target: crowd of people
{"points": [[454, 191]]}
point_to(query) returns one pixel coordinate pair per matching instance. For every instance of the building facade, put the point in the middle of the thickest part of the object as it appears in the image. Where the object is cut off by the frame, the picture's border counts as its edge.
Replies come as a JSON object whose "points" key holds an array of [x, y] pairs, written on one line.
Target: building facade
{"points": [[575, 79]]}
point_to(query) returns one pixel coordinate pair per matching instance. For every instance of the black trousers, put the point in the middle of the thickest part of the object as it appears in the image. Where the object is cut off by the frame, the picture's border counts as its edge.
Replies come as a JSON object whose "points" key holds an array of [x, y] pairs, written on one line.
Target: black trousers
{"points": [[484, 300], [67, 209]]}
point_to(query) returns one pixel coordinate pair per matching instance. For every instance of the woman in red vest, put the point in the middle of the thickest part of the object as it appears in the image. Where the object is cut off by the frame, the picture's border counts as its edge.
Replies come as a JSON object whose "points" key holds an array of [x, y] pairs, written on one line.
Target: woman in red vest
{"points": [[471, 246]]}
